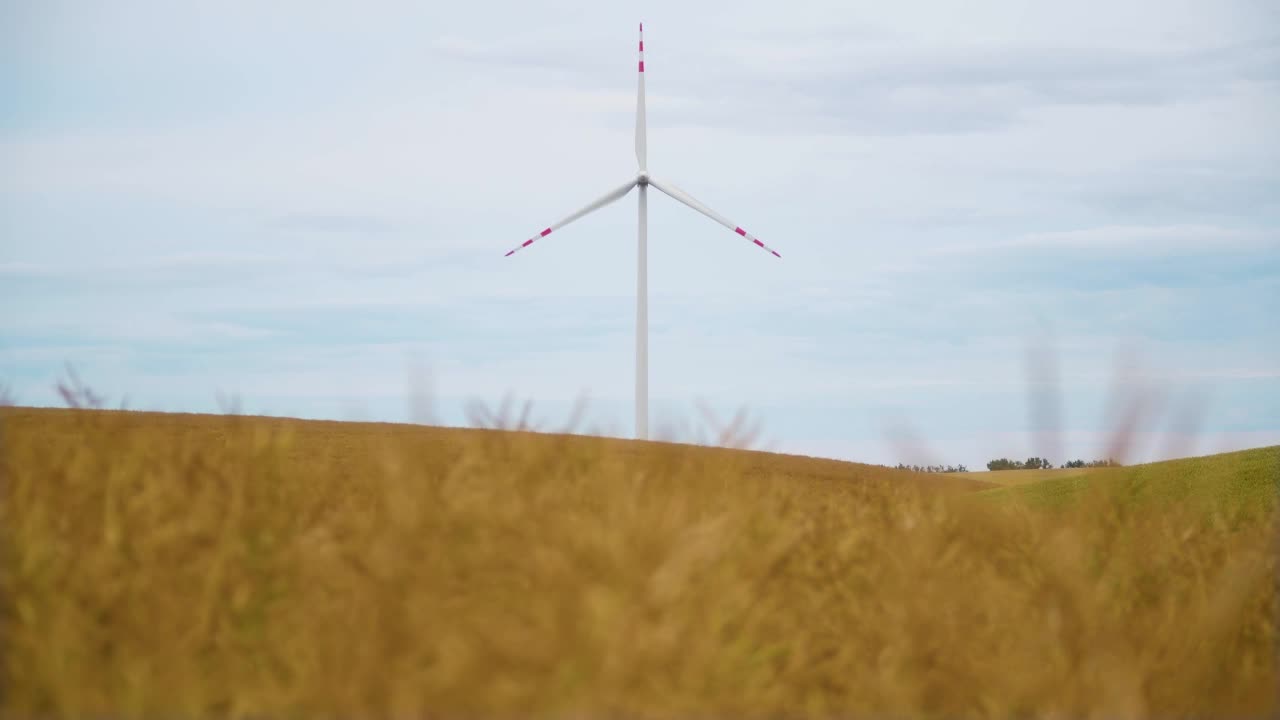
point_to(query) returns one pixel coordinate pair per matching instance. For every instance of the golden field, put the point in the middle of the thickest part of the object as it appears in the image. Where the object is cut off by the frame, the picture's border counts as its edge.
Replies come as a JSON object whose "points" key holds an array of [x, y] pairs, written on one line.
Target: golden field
{"points": [[190, 566]]}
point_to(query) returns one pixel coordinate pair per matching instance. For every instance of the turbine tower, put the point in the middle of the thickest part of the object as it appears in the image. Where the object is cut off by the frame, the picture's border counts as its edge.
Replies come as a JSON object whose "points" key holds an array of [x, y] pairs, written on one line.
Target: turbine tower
{"points": [[643, 181]]}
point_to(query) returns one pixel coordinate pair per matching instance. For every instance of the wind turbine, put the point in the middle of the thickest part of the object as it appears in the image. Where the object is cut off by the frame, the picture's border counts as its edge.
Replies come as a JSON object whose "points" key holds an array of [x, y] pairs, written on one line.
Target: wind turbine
{"points": [[643, 181]]}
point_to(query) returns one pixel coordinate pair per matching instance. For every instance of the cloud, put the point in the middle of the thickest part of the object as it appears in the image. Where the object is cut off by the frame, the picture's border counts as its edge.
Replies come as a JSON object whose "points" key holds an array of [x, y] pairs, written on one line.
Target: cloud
{"points": [[885, 90], [524, 54], [1141, 240], [329, 222], [180, 262]]}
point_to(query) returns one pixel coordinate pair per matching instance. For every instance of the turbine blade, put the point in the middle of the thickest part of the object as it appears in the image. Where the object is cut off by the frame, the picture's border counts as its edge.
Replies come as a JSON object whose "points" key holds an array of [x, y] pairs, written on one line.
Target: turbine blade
{"points": [[688, 199], [612, 196], [642, 142]]}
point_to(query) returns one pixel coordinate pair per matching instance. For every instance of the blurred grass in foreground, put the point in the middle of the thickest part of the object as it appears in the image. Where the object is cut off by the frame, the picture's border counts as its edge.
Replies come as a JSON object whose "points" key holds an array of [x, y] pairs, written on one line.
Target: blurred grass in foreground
{"points": [[184, 565]]}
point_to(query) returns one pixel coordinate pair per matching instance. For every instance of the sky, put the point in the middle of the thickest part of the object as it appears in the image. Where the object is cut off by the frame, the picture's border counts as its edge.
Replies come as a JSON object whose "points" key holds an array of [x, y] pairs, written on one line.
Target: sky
{"points": [[1007, 228]]}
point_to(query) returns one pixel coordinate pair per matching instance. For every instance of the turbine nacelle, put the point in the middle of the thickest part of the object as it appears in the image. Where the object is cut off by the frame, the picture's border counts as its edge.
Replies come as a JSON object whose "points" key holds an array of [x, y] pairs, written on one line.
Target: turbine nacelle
{"points": [[642, 179]]}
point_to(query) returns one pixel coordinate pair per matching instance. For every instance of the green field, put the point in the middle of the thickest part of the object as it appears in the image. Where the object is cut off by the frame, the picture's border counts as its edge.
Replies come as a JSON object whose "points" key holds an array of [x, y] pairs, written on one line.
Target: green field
{"points": [[1232, 485], [192, 566]]}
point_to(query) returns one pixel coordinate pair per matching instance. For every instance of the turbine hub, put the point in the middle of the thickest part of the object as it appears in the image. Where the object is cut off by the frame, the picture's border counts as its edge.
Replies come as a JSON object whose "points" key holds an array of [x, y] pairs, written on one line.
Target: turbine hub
{"points": [[642, 178]]}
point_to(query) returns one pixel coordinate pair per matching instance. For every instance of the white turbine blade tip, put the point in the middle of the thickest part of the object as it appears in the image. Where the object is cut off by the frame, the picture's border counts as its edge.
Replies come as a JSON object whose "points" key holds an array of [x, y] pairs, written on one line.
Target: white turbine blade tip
{"points": [[612, 196], [756, 241], [642, 152], [528, 242], [684, 197]]}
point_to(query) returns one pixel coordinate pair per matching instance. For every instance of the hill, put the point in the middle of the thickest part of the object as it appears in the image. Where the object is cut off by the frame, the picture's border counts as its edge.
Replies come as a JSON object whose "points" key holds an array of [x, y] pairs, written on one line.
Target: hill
{"points": [[204, 565], [1246, 480], [348, 449]]}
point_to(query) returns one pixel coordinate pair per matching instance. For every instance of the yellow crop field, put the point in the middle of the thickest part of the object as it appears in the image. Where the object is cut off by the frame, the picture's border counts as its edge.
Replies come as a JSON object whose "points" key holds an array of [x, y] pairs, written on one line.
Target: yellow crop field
{"points": [[190, 566]]}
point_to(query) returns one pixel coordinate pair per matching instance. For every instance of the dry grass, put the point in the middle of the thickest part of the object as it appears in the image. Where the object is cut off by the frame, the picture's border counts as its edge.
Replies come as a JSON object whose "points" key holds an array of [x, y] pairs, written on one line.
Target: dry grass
{"points": [[170, 565]]}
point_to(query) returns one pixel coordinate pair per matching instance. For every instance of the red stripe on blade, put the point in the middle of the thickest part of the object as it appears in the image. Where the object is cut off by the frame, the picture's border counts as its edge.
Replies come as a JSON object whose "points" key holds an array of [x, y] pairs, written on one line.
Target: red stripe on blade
{"points": [[641, 46], [740, 231], [527, 243], [641, 66], [544, 233], [775, 253], [508, 254], [758, 243]]}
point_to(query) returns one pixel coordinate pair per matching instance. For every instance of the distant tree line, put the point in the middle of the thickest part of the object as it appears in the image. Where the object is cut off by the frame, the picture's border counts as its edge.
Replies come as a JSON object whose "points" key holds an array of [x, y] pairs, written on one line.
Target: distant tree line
{"points": [[1039, 463], [933, 468], [1092, 463], [1031, 463]]}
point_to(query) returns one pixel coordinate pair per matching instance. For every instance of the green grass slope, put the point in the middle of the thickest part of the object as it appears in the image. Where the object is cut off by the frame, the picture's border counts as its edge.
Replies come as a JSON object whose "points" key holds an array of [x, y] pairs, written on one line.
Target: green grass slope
{"points": [[1244, 479]]}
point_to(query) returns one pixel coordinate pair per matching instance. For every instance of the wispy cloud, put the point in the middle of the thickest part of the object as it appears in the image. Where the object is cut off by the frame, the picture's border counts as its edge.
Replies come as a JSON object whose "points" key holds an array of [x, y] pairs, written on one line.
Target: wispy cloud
{"points": [[330, 222], [1142, 240], [896, 90]]}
